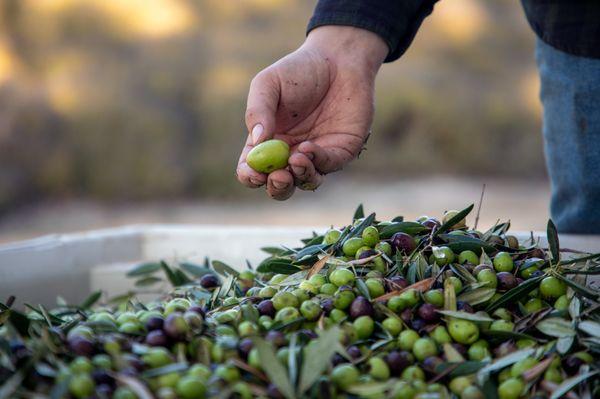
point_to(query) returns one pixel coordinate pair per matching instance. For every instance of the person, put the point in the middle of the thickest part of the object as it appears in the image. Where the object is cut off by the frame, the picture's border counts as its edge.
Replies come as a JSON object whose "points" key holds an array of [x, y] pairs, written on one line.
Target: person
{"points": [[319, 98]]}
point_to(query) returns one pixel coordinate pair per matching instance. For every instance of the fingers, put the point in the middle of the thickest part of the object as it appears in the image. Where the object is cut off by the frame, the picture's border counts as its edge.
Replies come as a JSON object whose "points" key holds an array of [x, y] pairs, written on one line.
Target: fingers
{"points": [[263, 98], [245, 174], [303, 170], [280, 185], [326, 159]]}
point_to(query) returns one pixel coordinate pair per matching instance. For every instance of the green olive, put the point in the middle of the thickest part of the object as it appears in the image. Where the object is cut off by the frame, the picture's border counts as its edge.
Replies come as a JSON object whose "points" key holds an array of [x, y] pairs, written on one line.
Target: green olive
{"points": [[287, 314], [440, 335], [392, 325], [397, 304], [551, 287], [407, 339], [503, 262], [458, 384], [412, 373], [285, 299], [364, 326], [124, 393], [344, 375], [81, 385], [190, 387], [375, 287], [468, 257], [227, 373], [310, 310], [384, 247], [341, 277], [269, 156], [331, 236], [424, 347], [488, 276], [463, 331], [378, 369], [434, 297], [351, 246], [521, 366], [370, 236], [511, 389]]}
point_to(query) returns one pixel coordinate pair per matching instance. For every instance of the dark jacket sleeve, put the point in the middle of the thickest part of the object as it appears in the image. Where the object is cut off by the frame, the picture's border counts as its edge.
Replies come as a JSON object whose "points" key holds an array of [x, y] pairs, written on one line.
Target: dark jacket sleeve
{"points": [[396, 21]]}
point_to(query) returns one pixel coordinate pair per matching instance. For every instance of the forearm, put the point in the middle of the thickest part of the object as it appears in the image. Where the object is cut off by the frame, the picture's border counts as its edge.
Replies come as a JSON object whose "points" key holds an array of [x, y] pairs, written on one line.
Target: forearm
{"points": [[396, 22]]}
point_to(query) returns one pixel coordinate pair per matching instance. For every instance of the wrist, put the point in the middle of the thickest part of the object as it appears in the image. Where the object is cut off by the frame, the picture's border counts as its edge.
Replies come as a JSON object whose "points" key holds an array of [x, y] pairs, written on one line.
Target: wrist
{"points": [[348, 44]]}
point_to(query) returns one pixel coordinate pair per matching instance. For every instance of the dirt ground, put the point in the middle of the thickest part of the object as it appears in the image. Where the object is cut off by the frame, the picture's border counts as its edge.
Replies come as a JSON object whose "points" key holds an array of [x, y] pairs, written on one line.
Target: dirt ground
{"points": [[524, 203]]}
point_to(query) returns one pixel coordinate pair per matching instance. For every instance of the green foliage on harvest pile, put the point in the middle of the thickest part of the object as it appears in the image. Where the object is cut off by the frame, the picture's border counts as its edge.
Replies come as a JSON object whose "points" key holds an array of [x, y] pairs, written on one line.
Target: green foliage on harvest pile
{"points": [[377, 309]]}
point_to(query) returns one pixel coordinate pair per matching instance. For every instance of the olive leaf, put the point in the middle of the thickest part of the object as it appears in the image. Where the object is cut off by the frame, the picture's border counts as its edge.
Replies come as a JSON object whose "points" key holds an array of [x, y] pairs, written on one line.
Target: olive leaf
{"points": [[453, 220], [293, 359], [503, 362], [173, 278], [412, 228], [147, 281], [223, 268], [514, 294], [277, 265], [484, 259], [459, 314], [169, 368], [553, 244], [273, 368], [449, 296], [312, 250], [11, 385], [463, 273], [357, 230], [273, 250], [318, 356], [585, 291], [571, 383], [460, 368], [590, 327], [500, 336], [144, 268], [363, 289], [459, 243], [193, 269], [138, 387], [563, 344], [91, 300], [555, 327], [477, 296], [359, 213]]}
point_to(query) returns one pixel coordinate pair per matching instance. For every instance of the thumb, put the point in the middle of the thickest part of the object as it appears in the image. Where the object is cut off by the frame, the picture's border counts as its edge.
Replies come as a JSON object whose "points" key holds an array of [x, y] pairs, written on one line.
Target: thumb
{"points": [[261, 107]]}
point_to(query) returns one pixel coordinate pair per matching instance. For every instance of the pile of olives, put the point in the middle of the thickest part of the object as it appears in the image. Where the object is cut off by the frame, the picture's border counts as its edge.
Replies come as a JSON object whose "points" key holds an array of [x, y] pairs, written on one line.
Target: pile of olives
{"points": [[421, 309]]}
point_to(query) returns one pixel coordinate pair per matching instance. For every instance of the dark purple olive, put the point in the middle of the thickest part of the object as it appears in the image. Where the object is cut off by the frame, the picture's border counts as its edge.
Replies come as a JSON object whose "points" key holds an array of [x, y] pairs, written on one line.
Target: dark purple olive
{"points": [[367, 253], [81, 346], [273, 392], [397, 361], [506, 281], [198, 309], [135, 362], [403, 243], [210, 281], [430, 363], [327, 305], [519, 280], [157, 338], [428, 313], [431, 223], [537, 253], [277, 338], [354, 352], [479, 268], [465, 307], [418, 324], [572, 364], [176, 326], [406, 315], [396, 283], [361, 307], [102, 377], [338, 359], [244, 347], [266, 308], [155, 323]]}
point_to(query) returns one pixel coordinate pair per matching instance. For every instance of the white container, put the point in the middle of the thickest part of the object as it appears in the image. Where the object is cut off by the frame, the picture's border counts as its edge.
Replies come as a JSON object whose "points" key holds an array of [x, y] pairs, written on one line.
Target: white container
{"points": [[73, 265]]}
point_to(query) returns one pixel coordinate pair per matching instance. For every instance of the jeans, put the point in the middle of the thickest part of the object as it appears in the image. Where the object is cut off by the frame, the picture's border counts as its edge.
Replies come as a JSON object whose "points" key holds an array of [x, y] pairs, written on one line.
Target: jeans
{"points": [[570, 94]]}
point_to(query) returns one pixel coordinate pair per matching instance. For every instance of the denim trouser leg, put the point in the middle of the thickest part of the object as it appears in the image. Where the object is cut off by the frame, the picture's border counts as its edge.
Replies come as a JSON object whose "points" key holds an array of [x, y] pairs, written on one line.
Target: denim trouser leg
{"points": [[570, 94]]}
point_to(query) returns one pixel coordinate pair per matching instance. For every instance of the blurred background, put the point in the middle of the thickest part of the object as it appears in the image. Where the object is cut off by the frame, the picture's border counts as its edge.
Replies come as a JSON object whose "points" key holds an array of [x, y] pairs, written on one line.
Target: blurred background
{"points": [[115, 112]]}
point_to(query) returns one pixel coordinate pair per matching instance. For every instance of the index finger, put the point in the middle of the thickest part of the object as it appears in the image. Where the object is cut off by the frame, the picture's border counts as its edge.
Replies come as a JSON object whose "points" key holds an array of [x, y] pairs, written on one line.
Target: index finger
{"points": [[245, 174]]}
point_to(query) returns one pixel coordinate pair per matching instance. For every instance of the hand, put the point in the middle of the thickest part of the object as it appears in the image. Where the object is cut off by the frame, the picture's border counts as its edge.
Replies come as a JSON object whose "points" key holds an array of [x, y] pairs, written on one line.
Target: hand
{"points": [[319, 99]]}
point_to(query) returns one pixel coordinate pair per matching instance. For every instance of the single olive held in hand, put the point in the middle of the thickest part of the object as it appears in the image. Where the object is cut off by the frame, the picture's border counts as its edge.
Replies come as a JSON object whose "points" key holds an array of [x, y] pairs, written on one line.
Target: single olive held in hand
{"points": [[269, 156]]}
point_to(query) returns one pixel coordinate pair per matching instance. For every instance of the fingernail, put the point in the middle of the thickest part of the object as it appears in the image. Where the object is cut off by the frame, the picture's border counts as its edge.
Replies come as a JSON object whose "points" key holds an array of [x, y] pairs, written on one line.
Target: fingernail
{"points": [[298, 170], [256, 182], [310, 155], [257, 131], [279, 185]]}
